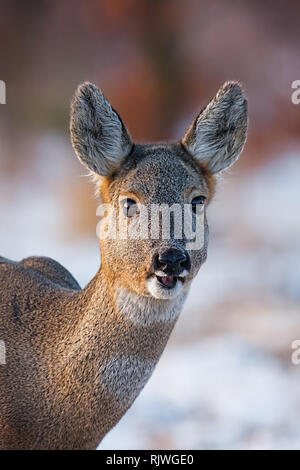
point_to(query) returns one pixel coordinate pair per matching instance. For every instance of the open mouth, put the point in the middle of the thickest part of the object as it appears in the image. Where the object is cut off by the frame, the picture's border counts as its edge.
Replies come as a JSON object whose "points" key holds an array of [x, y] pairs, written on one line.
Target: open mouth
{"points": [[169, 282], [165, 286]]}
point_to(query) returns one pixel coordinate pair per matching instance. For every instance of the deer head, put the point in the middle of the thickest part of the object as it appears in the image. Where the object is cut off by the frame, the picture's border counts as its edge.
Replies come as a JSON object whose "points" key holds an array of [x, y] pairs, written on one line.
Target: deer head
{"points": [[135, 179]]}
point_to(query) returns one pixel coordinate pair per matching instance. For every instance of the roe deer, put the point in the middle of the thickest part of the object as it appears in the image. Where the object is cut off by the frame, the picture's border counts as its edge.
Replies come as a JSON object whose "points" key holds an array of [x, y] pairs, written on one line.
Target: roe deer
{"points": [[76, 359]]}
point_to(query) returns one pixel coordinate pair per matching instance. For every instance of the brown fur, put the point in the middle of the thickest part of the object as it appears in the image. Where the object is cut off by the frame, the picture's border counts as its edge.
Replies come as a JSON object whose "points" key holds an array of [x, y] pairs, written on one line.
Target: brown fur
{"points": [[76, 359]]}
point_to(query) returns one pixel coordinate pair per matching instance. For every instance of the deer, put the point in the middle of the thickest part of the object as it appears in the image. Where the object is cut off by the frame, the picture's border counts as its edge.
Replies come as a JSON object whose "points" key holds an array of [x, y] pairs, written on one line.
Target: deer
{"points": [[77, 358]]}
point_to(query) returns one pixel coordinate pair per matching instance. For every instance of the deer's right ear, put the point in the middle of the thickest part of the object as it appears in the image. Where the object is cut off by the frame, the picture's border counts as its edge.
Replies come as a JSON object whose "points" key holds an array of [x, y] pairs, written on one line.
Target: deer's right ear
{"points": [[99, 137]]}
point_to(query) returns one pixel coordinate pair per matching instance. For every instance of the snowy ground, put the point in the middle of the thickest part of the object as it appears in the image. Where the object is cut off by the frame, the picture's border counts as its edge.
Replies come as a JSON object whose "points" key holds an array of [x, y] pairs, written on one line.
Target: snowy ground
{"points": [[226, 379]]}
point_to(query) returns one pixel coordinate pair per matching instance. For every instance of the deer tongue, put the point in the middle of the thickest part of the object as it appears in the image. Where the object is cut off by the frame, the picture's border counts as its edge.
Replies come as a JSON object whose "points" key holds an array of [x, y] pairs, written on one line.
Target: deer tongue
{"points": [[167, 281]]}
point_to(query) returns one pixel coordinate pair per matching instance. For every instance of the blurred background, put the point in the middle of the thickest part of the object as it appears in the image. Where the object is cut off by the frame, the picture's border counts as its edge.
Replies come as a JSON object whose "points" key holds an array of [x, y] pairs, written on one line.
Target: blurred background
{"points": [[226, 379]]}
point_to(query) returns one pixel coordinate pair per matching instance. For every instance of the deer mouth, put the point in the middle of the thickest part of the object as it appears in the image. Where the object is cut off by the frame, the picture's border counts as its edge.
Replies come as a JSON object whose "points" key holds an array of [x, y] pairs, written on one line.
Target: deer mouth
{"points": [[165, 286], [169, 282]]}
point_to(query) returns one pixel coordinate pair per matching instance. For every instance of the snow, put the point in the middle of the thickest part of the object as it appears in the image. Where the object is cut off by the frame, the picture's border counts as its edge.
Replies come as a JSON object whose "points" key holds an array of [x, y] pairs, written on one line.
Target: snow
{"points": [[217, 393]]}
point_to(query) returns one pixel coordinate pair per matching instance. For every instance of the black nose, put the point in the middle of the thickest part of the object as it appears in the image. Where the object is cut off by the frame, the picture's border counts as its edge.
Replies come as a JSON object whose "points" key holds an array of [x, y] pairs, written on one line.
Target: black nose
{"points": [[173, 261]]}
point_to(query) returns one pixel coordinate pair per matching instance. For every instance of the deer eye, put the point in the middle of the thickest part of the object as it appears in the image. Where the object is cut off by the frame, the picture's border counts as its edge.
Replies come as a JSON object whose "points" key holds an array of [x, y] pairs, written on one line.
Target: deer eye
{"points": [[199, 200], [130, 207]]}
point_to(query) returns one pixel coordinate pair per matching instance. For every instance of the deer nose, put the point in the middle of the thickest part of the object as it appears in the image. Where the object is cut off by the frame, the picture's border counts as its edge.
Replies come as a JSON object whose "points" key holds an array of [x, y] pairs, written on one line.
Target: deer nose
{"points": [[172, 261]]}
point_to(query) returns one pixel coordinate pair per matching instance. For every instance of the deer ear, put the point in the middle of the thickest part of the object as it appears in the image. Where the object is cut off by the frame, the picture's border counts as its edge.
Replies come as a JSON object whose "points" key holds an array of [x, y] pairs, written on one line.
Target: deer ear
{"points": [[99, 137], [217, 136]]}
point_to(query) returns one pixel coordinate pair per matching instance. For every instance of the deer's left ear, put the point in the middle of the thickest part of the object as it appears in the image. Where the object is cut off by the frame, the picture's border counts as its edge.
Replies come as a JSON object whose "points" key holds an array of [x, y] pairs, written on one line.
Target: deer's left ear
{"points": [[218, 134]]}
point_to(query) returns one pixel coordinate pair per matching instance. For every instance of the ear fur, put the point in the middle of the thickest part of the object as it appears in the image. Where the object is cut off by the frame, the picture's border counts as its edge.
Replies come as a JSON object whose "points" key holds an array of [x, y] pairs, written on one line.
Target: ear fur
{"points": [[218, 134], [99, 137]]}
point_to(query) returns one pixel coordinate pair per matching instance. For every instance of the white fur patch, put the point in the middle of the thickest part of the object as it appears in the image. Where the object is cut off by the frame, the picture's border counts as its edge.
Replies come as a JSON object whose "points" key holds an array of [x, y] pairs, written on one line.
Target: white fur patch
{"points": [[160, 292], [147, 310]]}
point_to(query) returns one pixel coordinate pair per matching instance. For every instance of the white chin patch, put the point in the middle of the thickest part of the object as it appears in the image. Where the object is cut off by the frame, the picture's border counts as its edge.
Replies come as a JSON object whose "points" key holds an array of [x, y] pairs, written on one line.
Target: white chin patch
{"points": [[157, 290]]}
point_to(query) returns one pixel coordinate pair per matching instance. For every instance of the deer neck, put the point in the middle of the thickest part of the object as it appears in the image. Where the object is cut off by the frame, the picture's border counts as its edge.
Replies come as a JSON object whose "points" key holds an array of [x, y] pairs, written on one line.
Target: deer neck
{"points": [[127, 333], [108, 341]]}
